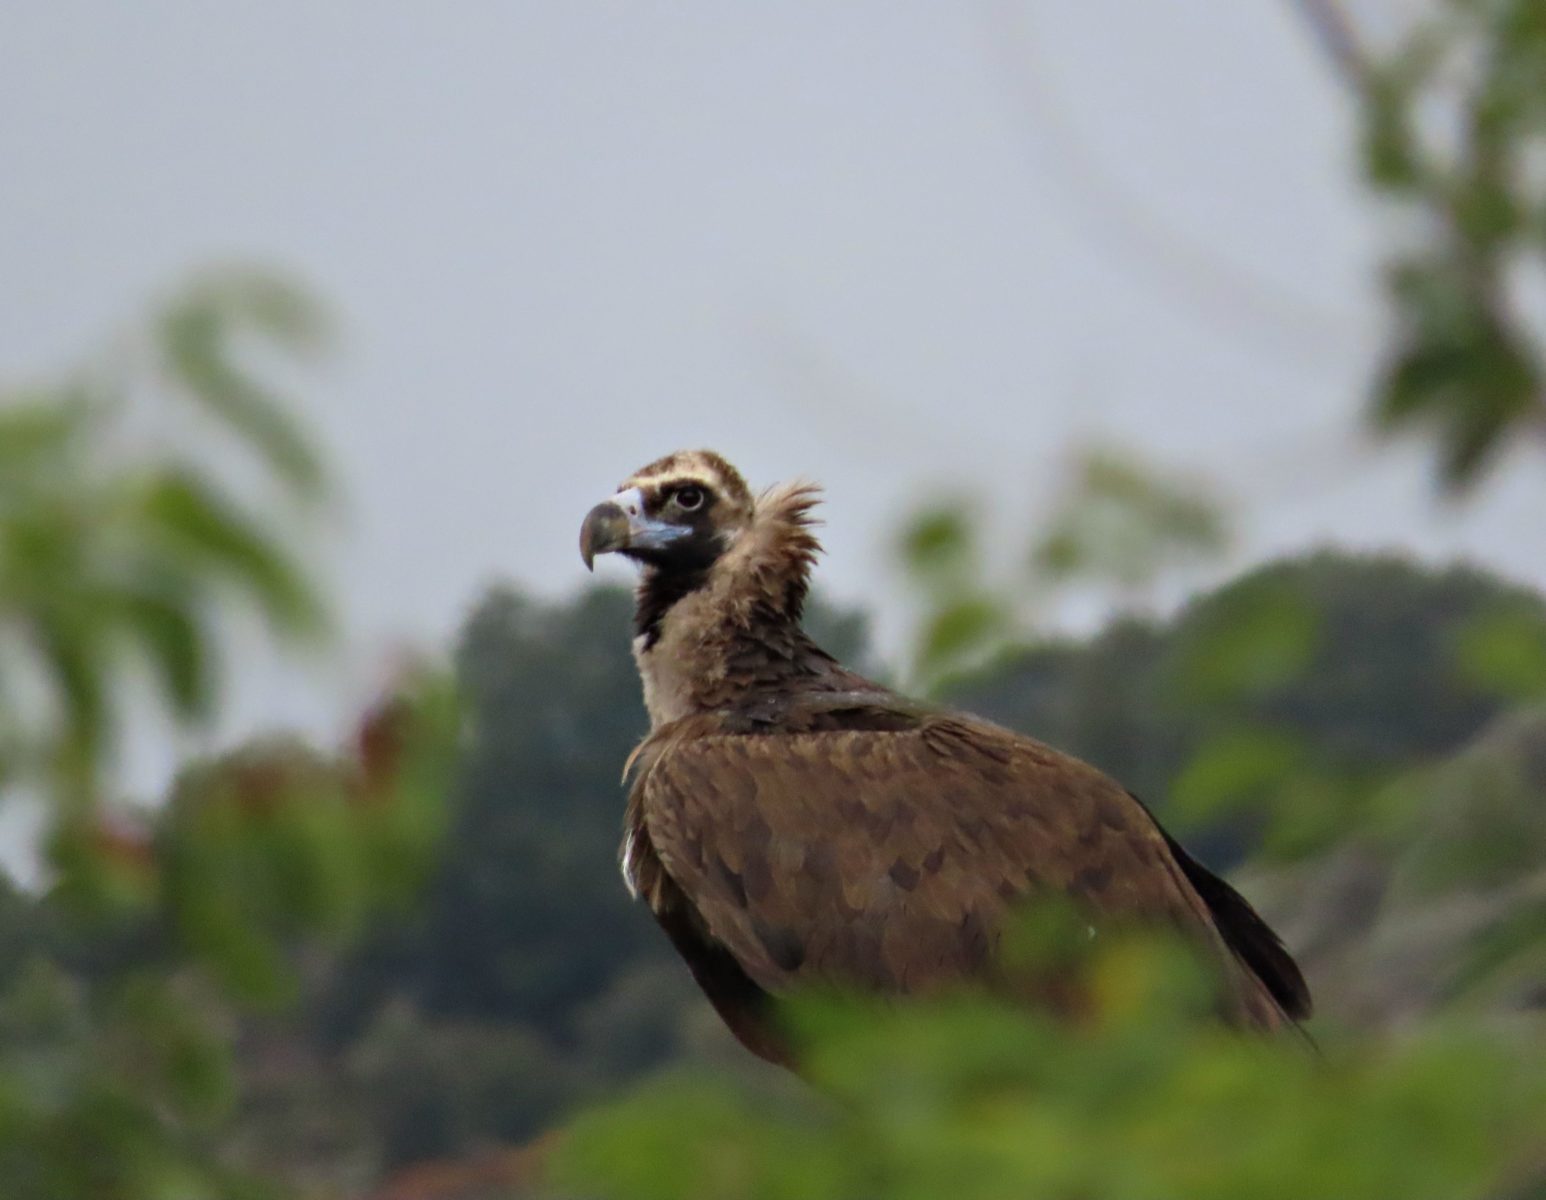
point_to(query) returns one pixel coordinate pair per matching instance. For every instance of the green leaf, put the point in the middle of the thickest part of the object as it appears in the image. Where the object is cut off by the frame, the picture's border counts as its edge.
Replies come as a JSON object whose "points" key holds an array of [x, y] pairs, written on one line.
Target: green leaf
{"points": [[1315, 806], [1235, 770], [171, 637], [72, 654], [960, 630], [199, 338], [1504, 652], [1391, 157], [1120, 522], [172, 1049], [207, 531], [1253, 639], [37, 431], [938, 545]]}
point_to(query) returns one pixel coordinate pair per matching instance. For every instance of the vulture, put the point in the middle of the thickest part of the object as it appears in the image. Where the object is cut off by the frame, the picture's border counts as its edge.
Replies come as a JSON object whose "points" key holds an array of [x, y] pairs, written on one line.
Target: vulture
{"points": [[791, 823]]}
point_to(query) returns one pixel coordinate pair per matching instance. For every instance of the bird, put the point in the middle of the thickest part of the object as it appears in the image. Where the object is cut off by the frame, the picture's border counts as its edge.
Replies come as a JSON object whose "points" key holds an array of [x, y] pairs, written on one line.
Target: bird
{"points": [[791, 824]]}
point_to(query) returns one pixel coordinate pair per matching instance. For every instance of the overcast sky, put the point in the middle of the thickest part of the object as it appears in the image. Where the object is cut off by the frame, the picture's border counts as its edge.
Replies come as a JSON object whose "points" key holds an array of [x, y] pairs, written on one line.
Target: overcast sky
{"points": [[891, 246]]}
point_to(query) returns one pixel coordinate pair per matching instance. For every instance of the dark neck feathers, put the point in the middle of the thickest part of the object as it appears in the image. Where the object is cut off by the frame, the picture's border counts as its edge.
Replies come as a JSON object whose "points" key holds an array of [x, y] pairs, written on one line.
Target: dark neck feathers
{"points": [[717, 636], [658, 593]]}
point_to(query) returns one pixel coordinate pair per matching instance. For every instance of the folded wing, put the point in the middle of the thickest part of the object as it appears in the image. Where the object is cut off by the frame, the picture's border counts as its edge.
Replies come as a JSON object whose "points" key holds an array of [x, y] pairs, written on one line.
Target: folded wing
{"points": [[886, 857]]}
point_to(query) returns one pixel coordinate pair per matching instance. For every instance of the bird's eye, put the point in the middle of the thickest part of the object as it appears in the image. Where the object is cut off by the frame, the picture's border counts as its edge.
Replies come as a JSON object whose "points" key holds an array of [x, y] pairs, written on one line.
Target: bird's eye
{"points": [[689, 498]]}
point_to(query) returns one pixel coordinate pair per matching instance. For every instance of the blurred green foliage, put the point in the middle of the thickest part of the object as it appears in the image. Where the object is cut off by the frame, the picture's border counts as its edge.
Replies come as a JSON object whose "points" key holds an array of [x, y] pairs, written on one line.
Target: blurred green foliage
{"points": [[1116, 526], [118, 546], [1144, 1097], [1121, 523], [122, 552], [1504, 651], [1454, 121]]}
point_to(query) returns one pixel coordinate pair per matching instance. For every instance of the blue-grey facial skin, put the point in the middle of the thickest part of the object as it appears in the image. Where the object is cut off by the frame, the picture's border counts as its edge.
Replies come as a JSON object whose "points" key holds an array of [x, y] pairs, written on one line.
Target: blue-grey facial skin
{"points": [[624, 525]]}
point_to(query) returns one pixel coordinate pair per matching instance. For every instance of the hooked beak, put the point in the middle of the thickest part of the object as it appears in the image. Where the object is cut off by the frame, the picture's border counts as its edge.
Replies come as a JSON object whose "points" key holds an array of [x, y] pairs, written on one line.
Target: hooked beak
{"points": [[622, 524], [605, 529]]}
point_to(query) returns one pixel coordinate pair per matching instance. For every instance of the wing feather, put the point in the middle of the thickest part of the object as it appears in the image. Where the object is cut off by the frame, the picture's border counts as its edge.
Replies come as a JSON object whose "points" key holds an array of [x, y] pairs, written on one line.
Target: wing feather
{"points": [[886, 858]]}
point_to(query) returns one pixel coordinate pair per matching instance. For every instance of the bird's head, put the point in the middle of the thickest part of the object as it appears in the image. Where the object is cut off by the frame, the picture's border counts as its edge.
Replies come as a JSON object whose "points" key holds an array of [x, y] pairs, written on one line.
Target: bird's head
{"points": [[678, 514]]}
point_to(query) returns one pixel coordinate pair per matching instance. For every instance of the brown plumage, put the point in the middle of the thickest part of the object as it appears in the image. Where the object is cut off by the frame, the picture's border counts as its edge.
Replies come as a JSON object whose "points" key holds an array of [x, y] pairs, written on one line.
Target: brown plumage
{"points": [[791, 822]]}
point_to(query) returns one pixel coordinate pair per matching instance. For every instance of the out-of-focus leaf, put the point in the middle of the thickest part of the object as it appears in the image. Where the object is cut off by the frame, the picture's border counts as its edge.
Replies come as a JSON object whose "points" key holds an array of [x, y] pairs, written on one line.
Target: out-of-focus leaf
{"points": [[1119, 522], [198, 523], [937, 544], [270, 304], [200, 341], [1458, 371], [1235, 770], [108, 874], [1144, 1096], [1465, 365], [1516, 941], [1316, 806], [36, 431], [1061, 554], [166, 1042], [72, 652], [110, 557], [177, 646], [406, 760], [958, 631], [1256, 638], [628, 1151], [1504, 651], [1390, 150]]}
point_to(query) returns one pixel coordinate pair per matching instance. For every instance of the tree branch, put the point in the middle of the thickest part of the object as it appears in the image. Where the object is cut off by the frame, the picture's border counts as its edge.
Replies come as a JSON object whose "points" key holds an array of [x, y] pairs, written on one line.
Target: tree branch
{"points": [[1338, 39]]}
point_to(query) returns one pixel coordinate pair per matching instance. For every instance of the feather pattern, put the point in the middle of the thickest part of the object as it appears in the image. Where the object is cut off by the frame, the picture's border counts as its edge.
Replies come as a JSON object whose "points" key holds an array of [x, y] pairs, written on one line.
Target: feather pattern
{"points": [[736, 635], [782, 549], [790, 822]]}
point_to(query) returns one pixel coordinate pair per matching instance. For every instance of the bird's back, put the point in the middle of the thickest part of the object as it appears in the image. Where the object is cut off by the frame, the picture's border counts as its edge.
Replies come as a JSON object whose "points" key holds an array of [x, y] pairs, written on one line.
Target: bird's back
{"points": [[851, 841]]}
